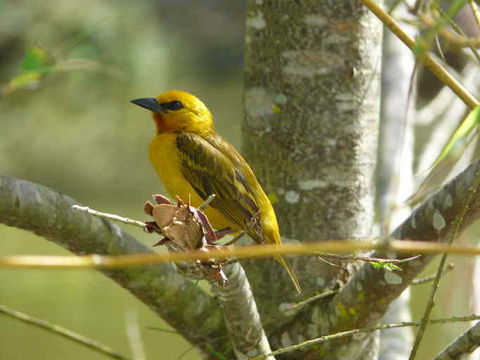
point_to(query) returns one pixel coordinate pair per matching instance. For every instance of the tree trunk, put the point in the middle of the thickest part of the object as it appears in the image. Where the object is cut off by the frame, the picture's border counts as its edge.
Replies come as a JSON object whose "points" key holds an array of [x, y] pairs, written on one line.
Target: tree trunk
{"points": [[310, 134]]}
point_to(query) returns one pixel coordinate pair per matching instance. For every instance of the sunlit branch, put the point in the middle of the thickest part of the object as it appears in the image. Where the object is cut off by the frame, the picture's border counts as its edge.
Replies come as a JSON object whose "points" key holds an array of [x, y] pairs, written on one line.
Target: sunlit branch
{"points": [[252, 251], [426, 58], [427, 279], [109, 216]]}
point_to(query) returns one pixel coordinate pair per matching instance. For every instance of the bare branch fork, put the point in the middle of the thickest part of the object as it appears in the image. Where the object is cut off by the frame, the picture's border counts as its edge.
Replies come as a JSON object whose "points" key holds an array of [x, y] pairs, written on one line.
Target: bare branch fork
{"points": [[348, 333], [432, 222], [186, 228], [30, 206], [248, 336], [425, 58], [49, 214]]}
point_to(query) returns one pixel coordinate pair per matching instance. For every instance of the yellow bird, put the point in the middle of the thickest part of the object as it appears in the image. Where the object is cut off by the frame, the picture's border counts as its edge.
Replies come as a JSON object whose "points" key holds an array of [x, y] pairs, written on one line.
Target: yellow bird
{"points": [[193, 162]]}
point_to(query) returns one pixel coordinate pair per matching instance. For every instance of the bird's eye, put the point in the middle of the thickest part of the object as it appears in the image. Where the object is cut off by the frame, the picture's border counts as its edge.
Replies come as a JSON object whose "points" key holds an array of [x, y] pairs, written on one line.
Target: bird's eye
{"points": [[174, 105]]}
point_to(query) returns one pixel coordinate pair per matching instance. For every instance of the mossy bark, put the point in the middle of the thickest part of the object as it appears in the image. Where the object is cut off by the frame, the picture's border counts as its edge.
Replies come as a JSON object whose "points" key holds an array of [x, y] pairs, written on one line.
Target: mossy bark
{"points": [[310, 134], [49, 214]]}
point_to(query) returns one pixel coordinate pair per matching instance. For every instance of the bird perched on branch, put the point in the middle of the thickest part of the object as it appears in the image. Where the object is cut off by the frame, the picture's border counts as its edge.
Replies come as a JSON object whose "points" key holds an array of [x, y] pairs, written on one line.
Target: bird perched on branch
{"points": [[193, 162]]}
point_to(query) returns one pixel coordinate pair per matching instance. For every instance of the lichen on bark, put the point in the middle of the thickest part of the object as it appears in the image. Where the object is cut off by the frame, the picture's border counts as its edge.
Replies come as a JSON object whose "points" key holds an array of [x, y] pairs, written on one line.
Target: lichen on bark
{"points": [[310, 134]]}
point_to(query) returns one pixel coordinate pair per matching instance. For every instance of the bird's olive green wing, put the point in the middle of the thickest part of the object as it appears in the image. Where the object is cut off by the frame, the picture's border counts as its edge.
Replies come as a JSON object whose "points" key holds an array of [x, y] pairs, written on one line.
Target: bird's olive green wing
{"points": [[212, 166]]}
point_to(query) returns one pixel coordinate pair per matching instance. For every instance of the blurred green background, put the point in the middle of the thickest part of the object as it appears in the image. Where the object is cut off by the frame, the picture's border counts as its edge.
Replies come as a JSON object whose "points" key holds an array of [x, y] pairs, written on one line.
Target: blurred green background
{"points": [[75, 130], [68, 124]]}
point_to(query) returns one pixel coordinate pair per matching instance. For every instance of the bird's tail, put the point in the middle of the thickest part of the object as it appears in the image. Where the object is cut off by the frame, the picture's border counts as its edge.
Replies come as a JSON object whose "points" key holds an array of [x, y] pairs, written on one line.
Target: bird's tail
{"points": [[291, 273]]}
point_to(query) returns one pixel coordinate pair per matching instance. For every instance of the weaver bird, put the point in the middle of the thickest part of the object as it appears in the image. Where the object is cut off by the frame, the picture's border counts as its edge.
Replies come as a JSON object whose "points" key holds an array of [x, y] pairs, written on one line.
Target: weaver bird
{"points": [[194, 162]]}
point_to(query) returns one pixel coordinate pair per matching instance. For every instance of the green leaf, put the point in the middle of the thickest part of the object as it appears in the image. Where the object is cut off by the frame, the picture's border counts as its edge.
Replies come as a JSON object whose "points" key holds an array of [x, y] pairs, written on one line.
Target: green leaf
{"points": [[23, 80], [34, 66], [449, 156], [34, 60], [385, 266], [423, 43], [459, 137]]}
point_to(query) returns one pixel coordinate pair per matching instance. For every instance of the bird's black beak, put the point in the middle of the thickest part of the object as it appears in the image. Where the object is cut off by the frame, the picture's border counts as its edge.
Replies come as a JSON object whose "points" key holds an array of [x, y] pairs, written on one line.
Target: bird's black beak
{"points": [[149, 104]]}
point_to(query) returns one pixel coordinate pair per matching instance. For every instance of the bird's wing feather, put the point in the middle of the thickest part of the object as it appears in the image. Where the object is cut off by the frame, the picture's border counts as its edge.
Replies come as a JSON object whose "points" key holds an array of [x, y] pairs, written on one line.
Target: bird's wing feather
{"points": [[212, 166]]}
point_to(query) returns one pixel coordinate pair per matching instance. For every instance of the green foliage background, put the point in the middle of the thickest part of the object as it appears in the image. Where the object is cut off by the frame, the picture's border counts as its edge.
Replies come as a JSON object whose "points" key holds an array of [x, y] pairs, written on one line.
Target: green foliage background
{"points": [[66, 122], [73, 128]]}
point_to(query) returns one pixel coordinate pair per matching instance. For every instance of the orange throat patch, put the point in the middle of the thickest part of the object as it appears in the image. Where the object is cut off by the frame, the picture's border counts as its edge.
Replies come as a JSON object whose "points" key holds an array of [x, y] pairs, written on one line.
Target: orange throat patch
{"points": [[160, 124]]}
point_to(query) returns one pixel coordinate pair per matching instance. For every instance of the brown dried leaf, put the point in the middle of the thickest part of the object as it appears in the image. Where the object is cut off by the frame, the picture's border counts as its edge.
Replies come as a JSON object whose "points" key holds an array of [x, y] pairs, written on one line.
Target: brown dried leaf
{"points": [[160, 199], [185, 228], [164, 214], [148, 208]]}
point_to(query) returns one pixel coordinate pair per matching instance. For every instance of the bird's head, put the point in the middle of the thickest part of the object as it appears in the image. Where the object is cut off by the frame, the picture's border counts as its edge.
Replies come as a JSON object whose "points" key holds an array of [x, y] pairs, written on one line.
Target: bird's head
{"points": [[178, 111]]}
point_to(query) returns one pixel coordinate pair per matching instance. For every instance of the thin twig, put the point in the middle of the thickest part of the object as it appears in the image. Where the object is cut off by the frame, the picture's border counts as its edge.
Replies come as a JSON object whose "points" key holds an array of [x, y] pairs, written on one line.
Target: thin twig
{"points": [[109, 216], [431, 300], [426, 58], [251, 251], [344, 268], [134, 336], [367, 258], [168, 331], [293, 308], [461, 40], [341, 334], [206, 202], [66, 333], [426, 279], [459, 30], [475, 11]]}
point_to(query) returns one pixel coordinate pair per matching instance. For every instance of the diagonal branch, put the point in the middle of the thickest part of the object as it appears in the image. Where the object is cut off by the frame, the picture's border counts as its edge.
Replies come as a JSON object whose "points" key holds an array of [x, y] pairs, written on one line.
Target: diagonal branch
{"points": [[61, 331], [451, 236], [349, 333], [425, 57], [366, 297], [47, 213], [241, 314], [464, 344]]}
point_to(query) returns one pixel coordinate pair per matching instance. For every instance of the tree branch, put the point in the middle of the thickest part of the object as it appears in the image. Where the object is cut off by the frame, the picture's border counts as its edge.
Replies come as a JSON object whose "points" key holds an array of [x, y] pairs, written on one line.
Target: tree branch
{"points": [[349, 333], [366, 297], [241, 314], [61, 331], [47, 213], [425, 58], [464, 344], [457, 222]]}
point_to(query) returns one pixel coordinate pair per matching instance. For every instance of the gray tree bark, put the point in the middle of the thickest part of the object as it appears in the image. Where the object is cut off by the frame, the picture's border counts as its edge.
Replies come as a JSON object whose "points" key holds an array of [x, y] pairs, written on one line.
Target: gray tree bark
{"points": [[310, 134], [49, 214]]}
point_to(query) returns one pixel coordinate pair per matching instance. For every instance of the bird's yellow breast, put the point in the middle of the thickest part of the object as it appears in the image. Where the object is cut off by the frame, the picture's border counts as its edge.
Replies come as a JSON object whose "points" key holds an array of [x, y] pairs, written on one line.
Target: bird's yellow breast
{"points": [[164, 158]]}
